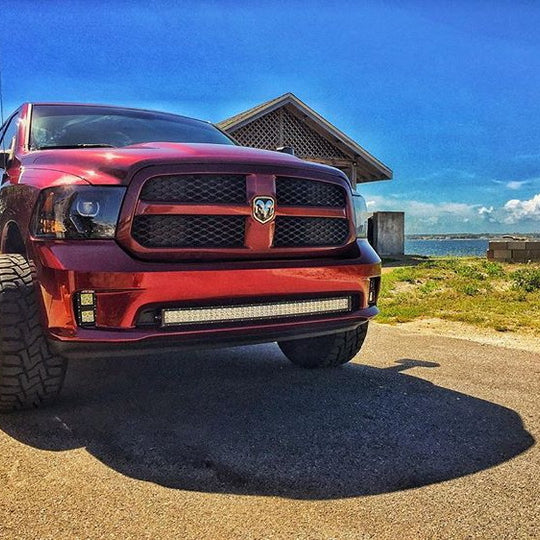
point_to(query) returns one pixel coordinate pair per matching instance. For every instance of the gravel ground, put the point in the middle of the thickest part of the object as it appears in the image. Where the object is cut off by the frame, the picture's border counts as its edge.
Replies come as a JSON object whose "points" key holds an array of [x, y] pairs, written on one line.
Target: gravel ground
{"points": [[422, 437]]}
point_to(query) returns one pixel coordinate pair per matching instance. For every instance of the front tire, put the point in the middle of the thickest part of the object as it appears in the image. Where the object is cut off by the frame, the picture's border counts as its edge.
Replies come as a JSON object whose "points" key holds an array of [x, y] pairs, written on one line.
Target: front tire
{"points": [[30, 373], [325, 351]]}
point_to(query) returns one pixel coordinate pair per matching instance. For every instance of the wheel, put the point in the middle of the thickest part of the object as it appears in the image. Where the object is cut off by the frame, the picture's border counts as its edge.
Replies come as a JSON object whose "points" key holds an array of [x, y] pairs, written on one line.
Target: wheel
{"points": [[325, 351], [30, 373]]}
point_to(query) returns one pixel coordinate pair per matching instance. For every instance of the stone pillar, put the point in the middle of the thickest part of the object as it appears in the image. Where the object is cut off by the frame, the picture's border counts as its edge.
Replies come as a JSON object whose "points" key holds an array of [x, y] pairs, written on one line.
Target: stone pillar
{"points": [[387, 233]]}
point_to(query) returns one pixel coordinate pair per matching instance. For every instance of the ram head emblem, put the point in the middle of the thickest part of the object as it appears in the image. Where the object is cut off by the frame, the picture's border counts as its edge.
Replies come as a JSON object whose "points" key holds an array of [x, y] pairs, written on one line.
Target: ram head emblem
{"points": [[263, 209]]}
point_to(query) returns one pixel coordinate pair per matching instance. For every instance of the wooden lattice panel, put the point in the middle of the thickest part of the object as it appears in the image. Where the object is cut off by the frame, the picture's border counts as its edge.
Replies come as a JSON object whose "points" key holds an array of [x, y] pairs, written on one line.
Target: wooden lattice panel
{"points": [[262, 133], [281, 128]]}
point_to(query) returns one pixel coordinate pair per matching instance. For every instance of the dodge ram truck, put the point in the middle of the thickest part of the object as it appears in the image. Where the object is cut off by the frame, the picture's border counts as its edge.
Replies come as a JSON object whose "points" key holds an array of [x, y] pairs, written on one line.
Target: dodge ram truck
{"points": [[127, 230]]}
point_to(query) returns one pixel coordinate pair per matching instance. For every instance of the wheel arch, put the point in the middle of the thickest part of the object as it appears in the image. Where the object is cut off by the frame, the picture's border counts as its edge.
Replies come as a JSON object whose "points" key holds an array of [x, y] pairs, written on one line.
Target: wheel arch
{"points": [[12, 239]]}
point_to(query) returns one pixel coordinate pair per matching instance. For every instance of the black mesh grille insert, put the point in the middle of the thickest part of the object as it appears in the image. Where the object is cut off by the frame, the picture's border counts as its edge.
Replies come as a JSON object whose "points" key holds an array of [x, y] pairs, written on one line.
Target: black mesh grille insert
{"points": [[196, 188], [310, 232], [302, 192], [189, 231]]}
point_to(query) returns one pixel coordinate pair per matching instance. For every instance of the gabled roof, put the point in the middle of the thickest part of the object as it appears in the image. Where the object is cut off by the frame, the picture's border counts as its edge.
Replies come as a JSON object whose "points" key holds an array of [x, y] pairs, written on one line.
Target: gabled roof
{"points": [[377, 169]]}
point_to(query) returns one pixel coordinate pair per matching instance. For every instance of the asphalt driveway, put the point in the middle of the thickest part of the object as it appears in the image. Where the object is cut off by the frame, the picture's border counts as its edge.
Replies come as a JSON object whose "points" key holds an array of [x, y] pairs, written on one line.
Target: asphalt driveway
{"points": [[420, 437]]}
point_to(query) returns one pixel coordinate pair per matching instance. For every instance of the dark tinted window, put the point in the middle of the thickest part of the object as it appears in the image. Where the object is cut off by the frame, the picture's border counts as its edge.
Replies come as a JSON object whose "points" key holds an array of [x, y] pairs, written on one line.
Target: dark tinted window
{"points": [[71, 126], [8, 132]]}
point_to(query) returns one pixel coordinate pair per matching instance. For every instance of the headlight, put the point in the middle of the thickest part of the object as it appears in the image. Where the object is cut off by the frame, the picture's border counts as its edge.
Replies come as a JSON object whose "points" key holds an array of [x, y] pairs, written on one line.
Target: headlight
{"points": [[361, 215], [78, 212]]}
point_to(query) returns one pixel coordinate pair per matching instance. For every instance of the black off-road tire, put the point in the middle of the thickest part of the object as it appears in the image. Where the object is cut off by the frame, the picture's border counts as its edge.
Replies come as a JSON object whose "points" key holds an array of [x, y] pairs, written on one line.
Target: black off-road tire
{"points": [[31, 374], [325, 351]]}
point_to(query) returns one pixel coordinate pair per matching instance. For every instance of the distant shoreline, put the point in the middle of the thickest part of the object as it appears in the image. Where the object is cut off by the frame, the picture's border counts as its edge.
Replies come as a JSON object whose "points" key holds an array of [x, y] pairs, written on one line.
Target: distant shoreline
{"points": [[471, 236]]}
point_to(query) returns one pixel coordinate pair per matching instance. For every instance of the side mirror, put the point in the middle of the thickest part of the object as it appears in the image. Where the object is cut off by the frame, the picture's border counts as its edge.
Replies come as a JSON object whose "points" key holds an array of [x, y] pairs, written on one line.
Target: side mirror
{"points": [[4, 158], [286, 150]]}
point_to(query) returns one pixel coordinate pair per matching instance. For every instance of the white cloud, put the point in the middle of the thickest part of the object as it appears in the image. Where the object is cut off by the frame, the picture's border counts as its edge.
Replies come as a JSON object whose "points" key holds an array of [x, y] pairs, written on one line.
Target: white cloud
{"points": [[423, 217], [441, 208], [422, 209], [449, 172], [518, 210], [515, 184]]}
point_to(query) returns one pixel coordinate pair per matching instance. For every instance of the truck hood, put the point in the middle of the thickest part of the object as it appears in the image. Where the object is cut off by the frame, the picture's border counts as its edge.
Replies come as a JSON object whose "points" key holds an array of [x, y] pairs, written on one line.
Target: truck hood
{"points": [[117, 165]]}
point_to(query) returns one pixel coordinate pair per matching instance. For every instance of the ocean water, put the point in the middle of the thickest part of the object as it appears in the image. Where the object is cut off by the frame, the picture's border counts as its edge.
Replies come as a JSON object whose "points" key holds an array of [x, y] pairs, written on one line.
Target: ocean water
{"points": [[474, 247]]}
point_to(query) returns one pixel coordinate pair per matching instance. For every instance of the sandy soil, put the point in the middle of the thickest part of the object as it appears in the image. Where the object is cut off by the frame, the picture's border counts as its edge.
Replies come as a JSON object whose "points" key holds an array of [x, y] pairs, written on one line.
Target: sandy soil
{"points": [[438, 327]]}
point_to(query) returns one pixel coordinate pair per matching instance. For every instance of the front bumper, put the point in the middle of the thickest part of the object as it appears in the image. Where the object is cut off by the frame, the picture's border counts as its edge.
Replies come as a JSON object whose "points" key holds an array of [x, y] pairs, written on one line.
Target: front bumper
{"points": [[126, 286]]}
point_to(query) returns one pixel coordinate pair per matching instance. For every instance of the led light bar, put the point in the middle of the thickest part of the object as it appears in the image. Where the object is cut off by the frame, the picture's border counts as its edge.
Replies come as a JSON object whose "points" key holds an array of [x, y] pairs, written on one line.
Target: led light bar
{"points": [[246, 312]]}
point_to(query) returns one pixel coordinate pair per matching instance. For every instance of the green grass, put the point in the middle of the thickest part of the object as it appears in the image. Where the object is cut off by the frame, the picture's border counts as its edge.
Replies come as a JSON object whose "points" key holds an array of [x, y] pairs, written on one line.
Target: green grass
{"points": [[504, 297]]}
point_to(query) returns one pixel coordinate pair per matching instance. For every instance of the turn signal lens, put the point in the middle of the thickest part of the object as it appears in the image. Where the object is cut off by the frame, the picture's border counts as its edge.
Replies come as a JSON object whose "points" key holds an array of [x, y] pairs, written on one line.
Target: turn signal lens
{"points": [[374, 286], [361, 215]]}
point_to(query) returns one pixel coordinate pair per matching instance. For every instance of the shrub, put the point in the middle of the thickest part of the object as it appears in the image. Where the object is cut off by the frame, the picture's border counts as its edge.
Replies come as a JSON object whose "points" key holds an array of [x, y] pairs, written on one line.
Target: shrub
{"points": [[470, 290], [428, 287], [442, 264], [405, 274], [493, 269], [527, 279], [469, 271]]}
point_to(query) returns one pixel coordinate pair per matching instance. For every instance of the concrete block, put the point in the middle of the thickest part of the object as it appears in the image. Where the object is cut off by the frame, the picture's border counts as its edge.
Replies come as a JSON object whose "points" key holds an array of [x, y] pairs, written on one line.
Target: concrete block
{"points": [[517, 245], [388, 233], [526, 255], [520, 255], [490, 254], [533, 245], [497, 245], [534, 254], [502, 254]]}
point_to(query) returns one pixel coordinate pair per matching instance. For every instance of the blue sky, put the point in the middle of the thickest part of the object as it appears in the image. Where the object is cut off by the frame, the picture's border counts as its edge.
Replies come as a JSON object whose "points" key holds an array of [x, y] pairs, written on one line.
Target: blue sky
{"points": [[445, 93]]}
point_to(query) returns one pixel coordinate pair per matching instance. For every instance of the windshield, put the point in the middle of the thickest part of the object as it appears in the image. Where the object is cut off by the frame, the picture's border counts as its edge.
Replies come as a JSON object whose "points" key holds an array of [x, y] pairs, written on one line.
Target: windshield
{"points": [[76, 126]]}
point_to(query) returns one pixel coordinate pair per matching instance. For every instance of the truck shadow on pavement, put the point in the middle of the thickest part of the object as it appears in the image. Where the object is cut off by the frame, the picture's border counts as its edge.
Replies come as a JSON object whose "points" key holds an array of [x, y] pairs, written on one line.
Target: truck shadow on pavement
{"points": [[246, 421]]}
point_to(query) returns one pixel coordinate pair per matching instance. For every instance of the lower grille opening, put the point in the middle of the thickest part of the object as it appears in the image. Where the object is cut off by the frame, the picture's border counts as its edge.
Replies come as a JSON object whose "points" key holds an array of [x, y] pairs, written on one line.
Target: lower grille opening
{"points": [[189, 231], [310, 232]]}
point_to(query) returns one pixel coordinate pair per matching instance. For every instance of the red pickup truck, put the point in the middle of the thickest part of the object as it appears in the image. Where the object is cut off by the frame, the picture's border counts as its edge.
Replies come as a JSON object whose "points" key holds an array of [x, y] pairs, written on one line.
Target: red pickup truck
{"points": [[126, 230]]}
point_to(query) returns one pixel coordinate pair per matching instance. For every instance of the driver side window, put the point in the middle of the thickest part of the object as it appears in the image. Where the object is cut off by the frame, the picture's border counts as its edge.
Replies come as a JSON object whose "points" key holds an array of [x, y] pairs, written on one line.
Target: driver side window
{"points": [[9, 133]]}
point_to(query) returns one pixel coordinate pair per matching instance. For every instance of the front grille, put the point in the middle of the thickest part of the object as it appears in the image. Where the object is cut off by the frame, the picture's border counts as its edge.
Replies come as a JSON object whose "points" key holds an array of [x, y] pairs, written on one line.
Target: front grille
{"points": [[189, 231], [302, 192], [310, 232], [203, 211], [196, 188]]}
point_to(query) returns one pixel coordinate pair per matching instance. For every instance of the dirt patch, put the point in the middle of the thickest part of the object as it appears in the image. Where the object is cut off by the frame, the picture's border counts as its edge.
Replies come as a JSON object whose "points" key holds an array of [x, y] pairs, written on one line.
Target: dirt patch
{"points": [[438, 327]]}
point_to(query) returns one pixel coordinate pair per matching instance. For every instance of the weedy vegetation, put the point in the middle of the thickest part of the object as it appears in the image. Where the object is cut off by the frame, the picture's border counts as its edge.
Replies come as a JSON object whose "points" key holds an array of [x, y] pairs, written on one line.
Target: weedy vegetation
{"points": [[505, 297]]}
